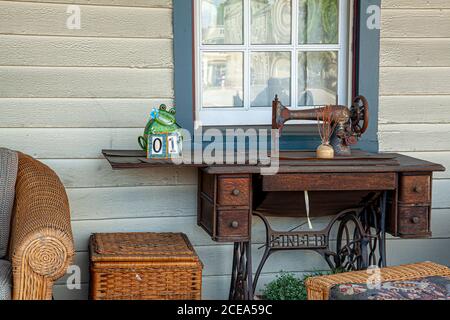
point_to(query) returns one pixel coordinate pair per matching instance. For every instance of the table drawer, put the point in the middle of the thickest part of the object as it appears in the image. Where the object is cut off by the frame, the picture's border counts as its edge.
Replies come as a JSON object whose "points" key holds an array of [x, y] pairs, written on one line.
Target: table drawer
{"points": [[233, 224], [414, 221], [415, 189], [330, 182], [233, 191]]}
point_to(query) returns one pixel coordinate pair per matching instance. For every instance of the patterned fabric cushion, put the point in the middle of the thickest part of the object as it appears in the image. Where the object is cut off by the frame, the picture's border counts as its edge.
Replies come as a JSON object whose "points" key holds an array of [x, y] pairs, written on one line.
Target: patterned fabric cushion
{"points": [[431, 288], [5, 280], [8, 174]]}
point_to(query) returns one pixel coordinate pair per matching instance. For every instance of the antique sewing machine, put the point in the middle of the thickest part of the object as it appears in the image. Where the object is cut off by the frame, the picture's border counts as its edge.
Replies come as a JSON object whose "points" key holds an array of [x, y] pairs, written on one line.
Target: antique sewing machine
{"points": [[351, 123]]}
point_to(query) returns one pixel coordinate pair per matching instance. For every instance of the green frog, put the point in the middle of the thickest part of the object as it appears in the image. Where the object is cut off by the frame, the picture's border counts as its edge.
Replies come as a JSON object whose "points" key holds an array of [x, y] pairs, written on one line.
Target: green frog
{"points": [[161, 120]]}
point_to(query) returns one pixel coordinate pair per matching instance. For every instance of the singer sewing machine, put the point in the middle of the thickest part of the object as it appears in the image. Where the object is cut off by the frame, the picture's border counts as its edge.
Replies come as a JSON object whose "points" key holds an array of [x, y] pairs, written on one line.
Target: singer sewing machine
{"points": [[351, 122]]}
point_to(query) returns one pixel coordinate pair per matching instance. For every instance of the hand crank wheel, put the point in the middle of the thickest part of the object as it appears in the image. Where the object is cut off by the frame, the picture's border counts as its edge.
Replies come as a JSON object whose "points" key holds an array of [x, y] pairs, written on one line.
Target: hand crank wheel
{"points": [[360, 115]]}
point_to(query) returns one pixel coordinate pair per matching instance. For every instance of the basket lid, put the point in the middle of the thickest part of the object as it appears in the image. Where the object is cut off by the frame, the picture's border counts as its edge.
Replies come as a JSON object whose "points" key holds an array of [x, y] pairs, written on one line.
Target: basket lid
{"points": [[141, 246]]}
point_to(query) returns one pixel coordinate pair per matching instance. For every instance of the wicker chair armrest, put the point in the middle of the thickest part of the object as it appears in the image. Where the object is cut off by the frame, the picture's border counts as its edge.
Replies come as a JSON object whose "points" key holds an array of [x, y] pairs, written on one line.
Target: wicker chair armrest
{"points": [[41, 241], [46, 252]]}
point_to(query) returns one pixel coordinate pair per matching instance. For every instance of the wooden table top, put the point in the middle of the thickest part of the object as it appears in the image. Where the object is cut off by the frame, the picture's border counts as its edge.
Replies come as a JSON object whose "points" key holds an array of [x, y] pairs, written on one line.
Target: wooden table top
{"points": [[289, 162]]}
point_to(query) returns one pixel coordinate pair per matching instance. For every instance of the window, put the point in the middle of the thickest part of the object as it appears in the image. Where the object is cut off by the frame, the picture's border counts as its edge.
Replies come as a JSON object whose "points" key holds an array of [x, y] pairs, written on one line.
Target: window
{"points": [[246, 51]]}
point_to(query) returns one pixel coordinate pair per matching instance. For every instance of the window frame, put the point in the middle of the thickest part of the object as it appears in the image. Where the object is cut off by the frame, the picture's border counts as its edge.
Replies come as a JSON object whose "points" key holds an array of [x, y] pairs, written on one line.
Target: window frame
{"points": [[365, 69], [244, 116]]}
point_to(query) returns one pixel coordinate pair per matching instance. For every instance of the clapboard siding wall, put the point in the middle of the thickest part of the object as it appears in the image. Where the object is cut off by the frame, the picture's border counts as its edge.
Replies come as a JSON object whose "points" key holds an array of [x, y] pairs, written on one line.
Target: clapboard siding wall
{"points": [[67, 94], [415, 94]]}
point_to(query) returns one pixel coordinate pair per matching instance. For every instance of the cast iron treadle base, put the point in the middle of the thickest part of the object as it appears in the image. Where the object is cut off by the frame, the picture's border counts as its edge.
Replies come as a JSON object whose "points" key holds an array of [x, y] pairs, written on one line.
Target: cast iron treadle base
{"points": [[361, 235], [241, 275]]}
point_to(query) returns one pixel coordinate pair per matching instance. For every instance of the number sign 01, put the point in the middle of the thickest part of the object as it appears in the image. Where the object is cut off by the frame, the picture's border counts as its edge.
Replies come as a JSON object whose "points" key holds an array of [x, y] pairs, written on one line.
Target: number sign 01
{"points": [[164, 146]]}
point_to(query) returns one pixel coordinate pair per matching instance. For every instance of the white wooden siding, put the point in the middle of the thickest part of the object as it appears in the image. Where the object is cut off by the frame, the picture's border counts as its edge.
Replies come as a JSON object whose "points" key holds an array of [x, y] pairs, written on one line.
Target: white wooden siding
{"points": [[67, 94], [36, 18], [415, 104], [415, 4], [120, 3]]}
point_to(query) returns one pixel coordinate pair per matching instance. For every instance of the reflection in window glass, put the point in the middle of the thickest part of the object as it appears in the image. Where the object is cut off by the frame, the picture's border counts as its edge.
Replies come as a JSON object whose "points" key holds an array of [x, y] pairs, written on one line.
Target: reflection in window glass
{"points": [[318, 22], [317, 78], [271, 21], [222, 79], [270, 75], [222, 21]]}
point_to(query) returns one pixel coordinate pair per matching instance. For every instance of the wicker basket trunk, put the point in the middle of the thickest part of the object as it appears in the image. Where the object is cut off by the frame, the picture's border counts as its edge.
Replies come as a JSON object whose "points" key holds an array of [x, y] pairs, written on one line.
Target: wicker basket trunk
{"points": [[144, 266], [318, 288]]}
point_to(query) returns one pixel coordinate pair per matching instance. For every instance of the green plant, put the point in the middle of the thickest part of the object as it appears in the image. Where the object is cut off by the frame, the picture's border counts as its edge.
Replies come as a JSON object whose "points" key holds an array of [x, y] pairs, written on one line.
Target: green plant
{"points": [[285, 287], [289, 287]]}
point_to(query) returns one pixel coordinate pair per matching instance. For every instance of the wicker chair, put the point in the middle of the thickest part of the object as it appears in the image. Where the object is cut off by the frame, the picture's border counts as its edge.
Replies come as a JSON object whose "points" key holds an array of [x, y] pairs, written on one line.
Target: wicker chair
{"points": [[41, 242]]}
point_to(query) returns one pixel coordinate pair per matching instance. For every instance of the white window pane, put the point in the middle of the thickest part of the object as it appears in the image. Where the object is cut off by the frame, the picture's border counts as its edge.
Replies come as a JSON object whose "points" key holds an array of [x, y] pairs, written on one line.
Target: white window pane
{"points": [[222, 21], [271, 21], [222, 79], [318, 22], [270, 75], [317, 78]]}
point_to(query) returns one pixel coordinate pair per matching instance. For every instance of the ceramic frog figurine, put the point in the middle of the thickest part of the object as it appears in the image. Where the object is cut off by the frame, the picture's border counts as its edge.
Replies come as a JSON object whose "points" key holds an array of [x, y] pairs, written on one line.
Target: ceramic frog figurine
{"points": [[161, 121]]}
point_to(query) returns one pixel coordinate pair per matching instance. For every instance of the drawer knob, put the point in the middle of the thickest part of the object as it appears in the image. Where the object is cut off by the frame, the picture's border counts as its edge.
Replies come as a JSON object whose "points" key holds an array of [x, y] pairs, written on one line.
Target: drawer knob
{"points": [[236, 192], [235, 224], [415, 220], [418, 189]]}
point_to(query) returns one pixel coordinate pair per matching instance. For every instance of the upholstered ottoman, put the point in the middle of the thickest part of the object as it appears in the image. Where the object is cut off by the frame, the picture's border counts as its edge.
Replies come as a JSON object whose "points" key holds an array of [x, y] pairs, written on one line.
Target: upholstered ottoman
{"points": [[421, 281]]}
